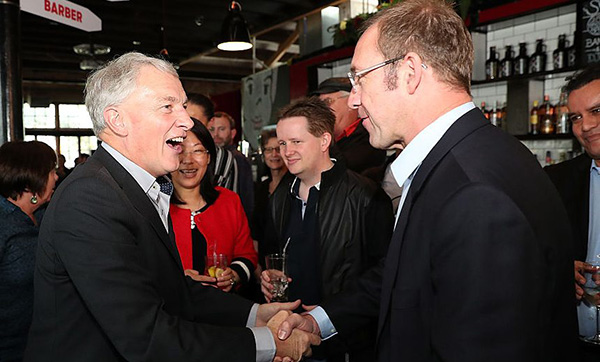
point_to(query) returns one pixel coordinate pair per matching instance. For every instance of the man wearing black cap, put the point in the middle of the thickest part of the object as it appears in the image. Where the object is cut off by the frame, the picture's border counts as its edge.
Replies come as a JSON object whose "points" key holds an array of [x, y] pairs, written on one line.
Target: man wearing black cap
{"points": [[351, 138]]}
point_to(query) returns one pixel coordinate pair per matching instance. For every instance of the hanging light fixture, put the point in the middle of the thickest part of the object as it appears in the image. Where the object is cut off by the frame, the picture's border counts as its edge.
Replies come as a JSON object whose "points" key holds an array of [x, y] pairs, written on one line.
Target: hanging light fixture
{"points": [[234, 33]]}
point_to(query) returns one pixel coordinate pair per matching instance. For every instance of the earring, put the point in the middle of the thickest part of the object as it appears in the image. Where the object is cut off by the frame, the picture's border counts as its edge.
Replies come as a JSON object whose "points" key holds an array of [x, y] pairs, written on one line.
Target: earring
{"points": [[34, 199]]}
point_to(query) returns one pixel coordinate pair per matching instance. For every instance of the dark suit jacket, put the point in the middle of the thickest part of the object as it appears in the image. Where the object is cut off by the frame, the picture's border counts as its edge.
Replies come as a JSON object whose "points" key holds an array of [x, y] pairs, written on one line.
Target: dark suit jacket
{"points": [[109, 285], [477, 269], [572, 180]]}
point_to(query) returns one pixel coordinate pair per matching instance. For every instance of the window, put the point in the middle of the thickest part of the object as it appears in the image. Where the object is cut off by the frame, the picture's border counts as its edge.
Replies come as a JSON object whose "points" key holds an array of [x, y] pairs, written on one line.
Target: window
{"points": [[67, 128]]}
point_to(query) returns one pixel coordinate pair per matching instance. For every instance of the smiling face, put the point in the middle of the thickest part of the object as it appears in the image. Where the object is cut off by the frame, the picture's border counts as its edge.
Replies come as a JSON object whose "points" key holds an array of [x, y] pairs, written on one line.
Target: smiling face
{"points": [[272, 154], [154, 122], [381, 116], [304, 154], [221, 131], [584, 112], [194, 160]]}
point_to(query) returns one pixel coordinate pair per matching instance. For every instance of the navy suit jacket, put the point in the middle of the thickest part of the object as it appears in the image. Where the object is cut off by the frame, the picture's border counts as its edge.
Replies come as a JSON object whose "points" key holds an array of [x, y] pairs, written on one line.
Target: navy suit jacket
{"points": [[109, 285], [478, 268]]}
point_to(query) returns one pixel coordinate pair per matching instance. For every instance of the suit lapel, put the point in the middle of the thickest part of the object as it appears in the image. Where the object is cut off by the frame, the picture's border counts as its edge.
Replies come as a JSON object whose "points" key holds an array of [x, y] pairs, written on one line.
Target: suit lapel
{"points": [[139, 200], [582, 198], [464, 126]]}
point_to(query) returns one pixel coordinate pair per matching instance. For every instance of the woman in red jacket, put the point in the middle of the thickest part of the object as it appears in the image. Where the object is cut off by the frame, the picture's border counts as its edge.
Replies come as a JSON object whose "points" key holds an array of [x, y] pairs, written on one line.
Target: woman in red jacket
{"points": [[208, 219]]}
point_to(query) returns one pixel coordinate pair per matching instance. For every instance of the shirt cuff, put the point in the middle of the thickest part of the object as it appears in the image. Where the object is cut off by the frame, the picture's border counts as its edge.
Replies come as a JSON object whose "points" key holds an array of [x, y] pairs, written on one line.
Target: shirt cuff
{"points": [[251, 322], [265, 344], [325, 325]]}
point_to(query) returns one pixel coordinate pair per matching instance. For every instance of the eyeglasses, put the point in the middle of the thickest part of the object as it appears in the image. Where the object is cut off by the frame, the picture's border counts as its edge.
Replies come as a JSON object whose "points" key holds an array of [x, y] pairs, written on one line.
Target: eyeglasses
{"points": [[271, 149], [198, 153], [355, 76]]}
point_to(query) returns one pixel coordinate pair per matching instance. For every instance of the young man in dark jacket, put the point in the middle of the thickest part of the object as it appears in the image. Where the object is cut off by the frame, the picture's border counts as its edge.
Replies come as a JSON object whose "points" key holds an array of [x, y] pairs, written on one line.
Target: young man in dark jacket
{"points": [[332, 222]]}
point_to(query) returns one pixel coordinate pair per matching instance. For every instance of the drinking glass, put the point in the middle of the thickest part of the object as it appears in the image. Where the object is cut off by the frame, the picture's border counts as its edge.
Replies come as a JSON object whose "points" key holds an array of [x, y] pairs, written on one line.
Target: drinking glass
{"points": [[590, 289], [216, 265], [277, 269]]}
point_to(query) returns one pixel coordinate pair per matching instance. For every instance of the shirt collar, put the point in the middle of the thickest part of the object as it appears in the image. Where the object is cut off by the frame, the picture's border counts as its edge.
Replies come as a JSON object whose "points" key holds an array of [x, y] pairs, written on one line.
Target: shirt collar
{"points": [[141, 176], [349, 130], [295, 188], [415, 152], [594, 167]]}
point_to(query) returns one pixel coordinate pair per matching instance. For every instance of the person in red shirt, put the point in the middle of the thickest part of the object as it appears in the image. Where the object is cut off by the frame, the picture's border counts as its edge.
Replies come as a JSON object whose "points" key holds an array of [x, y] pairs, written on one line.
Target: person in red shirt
{"points": [[208, 219]]}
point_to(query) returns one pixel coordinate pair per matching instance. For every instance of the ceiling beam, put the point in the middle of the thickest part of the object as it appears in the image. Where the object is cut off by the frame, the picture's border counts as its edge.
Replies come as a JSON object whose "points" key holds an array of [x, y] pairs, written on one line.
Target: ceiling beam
{"points": [[283, 47]]}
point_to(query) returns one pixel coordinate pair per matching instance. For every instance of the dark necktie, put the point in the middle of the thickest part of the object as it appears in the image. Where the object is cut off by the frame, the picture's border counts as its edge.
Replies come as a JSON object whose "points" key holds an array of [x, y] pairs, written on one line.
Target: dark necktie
{"points": [[166, 187]]}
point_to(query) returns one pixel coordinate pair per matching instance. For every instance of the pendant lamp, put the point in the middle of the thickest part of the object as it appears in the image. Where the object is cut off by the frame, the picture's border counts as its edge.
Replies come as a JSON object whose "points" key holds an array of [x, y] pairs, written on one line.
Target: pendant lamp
{"points": [[234, 33]]}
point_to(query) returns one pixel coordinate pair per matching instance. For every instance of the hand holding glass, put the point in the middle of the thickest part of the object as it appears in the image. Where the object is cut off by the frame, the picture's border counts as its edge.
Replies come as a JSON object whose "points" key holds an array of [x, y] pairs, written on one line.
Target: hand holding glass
{"points": [[591, 289], [277, 270]]}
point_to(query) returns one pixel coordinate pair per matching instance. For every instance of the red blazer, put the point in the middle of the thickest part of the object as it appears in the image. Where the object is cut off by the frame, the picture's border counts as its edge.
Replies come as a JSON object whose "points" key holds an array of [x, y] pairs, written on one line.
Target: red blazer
{"points": [[223, 224]]}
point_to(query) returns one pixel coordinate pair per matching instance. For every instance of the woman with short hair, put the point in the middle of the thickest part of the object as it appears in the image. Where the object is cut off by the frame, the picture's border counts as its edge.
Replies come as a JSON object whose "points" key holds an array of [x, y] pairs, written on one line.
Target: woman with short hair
{"points": [[27, 179]]}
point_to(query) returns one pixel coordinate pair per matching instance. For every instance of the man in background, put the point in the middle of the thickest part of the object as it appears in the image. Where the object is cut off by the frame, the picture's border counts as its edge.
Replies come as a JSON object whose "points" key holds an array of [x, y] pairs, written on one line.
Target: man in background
{"points": [[351, 137], [578, 183], [222, 129], [202, 108], [333, 223]]}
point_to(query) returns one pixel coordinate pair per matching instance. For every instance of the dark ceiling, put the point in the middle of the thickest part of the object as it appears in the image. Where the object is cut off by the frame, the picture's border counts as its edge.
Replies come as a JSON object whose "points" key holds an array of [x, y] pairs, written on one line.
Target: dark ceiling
{"points": [[188, 29]]}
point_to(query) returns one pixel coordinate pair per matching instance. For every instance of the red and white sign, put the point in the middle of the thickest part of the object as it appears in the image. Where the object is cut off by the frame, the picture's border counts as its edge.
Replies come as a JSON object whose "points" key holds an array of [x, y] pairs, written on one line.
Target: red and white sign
{"points": [[65, 12]]}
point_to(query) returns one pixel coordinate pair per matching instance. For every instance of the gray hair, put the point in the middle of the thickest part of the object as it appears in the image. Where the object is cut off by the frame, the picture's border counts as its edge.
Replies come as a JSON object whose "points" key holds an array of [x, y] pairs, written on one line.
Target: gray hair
{"points": [[114, 82]]}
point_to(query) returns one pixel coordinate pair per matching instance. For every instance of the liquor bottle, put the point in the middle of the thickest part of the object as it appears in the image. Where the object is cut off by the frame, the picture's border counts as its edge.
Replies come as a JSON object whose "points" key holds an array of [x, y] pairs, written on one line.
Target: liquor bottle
{"points": [[559, 55], [571, 56], [506, 64], [546, 117], [494, 116], [521, 63], [537, 63], [534, 126], [562, 116], [491, 65], [485, 112]]}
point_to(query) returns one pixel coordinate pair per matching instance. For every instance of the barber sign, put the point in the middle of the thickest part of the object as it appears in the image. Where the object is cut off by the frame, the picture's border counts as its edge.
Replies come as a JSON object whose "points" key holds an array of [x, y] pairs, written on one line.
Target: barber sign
{"points": [[65, 12]]}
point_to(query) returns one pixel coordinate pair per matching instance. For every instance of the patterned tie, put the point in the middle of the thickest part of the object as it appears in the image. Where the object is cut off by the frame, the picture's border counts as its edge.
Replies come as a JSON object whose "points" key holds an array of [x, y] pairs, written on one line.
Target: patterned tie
{"points": [[166, 187]]}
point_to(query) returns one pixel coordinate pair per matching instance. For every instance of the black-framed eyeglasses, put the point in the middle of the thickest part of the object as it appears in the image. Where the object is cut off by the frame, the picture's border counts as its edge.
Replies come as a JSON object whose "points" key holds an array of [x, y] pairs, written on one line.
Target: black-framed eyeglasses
{"points": [[355, 76]]}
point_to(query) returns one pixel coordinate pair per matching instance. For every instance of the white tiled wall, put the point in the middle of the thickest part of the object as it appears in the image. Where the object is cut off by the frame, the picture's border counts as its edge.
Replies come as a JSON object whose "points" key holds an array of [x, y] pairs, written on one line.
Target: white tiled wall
{"points": [[559, 150]]}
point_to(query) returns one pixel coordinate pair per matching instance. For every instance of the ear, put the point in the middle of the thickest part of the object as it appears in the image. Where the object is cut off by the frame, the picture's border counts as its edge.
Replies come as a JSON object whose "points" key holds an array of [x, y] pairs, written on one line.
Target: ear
{"points": [[115, 122], [325, 141], [415, 66], [233, 133]]}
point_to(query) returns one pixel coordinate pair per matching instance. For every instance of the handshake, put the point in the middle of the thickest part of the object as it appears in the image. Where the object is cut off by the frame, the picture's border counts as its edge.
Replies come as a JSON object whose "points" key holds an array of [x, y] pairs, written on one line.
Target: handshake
{"points": [[293, 333]]}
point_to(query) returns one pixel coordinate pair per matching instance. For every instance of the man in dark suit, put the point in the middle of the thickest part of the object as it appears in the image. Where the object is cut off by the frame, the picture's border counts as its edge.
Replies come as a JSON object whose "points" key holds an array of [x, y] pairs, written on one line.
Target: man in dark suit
{"points": [[478, 268], [109, 285], [578, 183]]}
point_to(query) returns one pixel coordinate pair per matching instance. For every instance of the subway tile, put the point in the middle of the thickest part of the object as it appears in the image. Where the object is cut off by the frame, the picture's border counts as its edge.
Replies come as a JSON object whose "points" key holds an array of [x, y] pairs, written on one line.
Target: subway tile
{"points": [[567, 19], [523, 29], [545, 24], [503, 33]]}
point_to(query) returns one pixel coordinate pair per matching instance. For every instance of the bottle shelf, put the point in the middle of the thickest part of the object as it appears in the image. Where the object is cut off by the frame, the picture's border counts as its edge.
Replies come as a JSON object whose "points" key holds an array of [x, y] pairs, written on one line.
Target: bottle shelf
{"points": [[549, 74]]}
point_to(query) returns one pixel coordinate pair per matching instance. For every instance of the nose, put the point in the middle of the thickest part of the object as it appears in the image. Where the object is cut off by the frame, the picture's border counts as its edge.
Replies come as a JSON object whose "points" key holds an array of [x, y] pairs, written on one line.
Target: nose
{"points": [[588, 123], [354, 98], [183, 120]]}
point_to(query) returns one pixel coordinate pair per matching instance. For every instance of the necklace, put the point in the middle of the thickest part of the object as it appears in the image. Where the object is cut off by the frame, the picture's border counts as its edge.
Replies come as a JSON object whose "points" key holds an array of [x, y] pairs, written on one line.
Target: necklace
{"points": [[192, 216]]}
